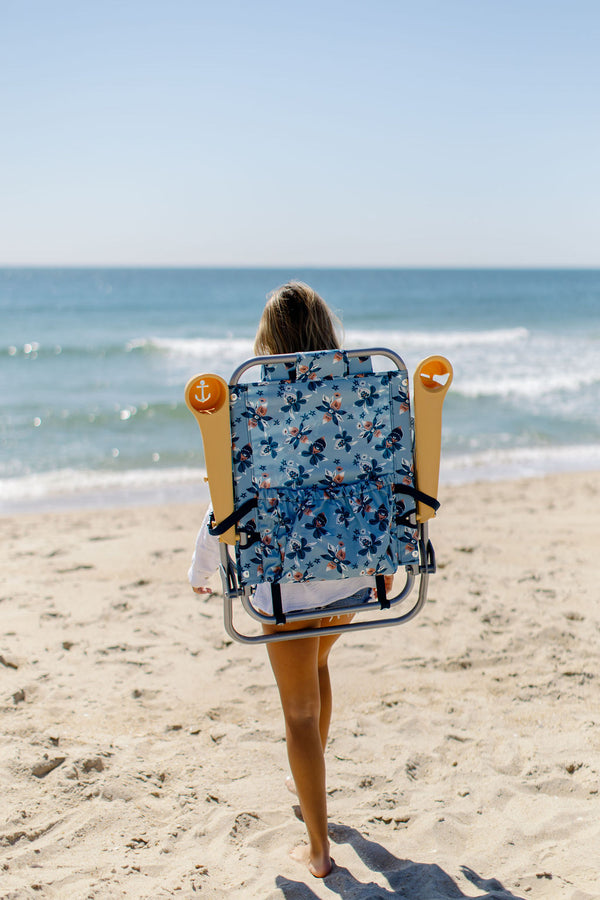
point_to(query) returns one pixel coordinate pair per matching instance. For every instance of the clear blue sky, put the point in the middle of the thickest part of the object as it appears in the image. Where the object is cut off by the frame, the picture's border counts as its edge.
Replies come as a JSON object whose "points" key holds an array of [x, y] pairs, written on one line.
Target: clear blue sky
{"points": [[380, 132]]}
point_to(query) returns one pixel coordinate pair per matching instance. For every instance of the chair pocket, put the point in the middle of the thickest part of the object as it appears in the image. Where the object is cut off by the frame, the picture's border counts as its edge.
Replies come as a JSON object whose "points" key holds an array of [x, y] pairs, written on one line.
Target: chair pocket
{"points": [[324, 533]]}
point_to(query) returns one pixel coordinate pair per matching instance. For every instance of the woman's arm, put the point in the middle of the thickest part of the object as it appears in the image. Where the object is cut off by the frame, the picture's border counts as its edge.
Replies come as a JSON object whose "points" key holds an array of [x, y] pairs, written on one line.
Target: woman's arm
{"points": [[205, 560]]}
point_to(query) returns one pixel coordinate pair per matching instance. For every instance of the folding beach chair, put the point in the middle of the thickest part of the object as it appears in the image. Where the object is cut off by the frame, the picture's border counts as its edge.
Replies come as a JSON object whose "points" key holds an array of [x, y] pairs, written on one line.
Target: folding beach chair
{"points": [[318, 471]]}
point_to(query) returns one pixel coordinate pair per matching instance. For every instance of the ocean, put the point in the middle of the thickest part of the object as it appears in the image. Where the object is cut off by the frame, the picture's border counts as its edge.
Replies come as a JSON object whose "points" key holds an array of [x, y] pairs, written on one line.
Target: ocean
{"points": [[93, 364]]}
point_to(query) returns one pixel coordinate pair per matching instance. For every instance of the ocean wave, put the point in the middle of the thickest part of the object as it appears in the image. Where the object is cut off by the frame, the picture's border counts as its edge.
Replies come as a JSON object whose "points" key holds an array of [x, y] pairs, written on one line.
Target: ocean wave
{"points": [[97, 487], [78, 488], [443, 339], [197, 348], [234, 349], [241, 347], [68, 422], [518, 462], [223, 354], [527, 384], [38, 350]]}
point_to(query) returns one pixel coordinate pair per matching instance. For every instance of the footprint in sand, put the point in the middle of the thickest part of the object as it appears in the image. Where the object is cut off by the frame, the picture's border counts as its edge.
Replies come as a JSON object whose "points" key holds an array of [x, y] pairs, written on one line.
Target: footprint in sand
{"points": [[244, 822]]}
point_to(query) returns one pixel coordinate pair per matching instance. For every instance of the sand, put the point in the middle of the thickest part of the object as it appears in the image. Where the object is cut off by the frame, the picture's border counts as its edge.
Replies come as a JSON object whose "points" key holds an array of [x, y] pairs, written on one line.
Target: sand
{"points": [[142, 751]]}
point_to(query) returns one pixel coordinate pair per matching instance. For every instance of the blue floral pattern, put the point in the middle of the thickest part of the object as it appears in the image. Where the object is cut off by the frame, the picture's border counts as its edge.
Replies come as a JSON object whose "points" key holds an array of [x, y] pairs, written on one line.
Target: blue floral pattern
{"points": [[321, 446]]}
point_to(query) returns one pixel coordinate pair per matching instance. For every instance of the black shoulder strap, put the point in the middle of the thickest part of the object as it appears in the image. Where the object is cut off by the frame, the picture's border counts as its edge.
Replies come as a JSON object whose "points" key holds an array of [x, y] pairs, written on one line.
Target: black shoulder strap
{"points": [[277, 606], [417, 495], [232, 519], [382, 597]]}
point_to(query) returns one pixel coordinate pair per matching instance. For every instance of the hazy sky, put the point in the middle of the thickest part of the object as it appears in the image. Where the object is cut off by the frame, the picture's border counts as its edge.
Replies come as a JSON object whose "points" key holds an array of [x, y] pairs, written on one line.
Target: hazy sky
{"points": [[380, 132]]}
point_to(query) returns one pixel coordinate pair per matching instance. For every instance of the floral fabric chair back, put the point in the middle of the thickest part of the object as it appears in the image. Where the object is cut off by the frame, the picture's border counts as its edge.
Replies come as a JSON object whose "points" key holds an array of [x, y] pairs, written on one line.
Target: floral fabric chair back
{"points": [[325, 448]]}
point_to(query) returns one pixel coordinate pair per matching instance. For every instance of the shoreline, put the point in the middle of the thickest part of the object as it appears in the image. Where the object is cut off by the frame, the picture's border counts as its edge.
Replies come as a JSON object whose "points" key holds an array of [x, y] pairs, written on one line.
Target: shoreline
{"points": [[142, 751], [192, 492], [181, 488]]}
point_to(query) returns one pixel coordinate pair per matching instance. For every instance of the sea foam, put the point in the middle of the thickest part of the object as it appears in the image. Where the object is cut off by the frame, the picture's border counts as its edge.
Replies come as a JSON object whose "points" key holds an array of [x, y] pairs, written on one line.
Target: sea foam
{"points": [[63, 488]]}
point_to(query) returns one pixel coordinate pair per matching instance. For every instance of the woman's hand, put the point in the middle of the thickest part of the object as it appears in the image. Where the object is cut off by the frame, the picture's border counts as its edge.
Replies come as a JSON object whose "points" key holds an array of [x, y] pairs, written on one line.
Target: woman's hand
{"points": [[202, 590], [389, 581]]}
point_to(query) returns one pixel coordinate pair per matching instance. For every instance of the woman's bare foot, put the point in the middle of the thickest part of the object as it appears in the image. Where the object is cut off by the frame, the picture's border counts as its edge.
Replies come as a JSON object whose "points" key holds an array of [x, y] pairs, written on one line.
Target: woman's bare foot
{"points": [[291, 785], [320, 865]]}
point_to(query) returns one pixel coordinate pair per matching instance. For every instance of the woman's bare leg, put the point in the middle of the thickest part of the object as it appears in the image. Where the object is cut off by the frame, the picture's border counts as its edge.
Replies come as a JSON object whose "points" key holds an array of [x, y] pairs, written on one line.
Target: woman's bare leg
{"points": [[325, 644], [295, 666], [302, 676]]}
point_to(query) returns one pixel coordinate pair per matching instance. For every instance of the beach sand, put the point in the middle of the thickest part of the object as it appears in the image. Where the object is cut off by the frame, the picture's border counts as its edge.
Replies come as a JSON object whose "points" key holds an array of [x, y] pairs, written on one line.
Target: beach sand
{"points": [[142, 751]]}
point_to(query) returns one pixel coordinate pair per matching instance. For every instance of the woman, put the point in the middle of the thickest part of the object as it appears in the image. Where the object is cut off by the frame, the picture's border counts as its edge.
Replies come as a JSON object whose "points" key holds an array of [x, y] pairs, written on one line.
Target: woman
{"points": [[296, 319]]}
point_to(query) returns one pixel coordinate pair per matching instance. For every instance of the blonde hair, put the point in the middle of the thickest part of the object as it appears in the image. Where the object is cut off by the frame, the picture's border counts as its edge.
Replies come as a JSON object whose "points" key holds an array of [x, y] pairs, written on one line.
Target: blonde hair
{"points": [[296, 319]]}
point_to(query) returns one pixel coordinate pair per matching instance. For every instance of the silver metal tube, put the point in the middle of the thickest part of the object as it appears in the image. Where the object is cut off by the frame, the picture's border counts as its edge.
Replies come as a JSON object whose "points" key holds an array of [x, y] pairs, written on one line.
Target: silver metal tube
{"points": [[292, 357]]}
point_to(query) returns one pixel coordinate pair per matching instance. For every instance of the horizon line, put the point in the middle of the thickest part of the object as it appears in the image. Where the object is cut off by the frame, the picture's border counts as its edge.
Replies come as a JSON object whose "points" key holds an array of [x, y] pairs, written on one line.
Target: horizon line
{"points": [[313, 266]]}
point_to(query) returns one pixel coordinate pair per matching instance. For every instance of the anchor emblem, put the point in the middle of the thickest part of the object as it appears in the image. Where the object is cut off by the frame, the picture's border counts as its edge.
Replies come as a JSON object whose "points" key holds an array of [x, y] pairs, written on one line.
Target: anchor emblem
{"points": [[206, 393], [203, 397]]}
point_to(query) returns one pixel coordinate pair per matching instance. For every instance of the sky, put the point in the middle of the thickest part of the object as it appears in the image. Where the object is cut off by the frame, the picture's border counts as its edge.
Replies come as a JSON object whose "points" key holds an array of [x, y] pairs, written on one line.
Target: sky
{"points": [[317, 132]]}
